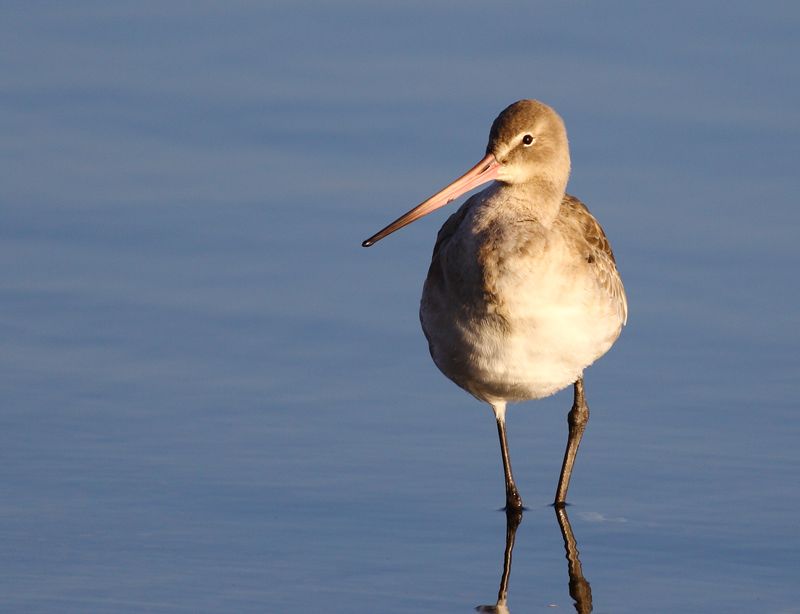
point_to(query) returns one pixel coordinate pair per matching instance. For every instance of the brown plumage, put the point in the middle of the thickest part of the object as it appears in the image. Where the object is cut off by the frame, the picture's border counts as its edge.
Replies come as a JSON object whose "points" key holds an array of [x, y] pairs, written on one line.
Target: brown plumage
{"points": [[523, 291]]}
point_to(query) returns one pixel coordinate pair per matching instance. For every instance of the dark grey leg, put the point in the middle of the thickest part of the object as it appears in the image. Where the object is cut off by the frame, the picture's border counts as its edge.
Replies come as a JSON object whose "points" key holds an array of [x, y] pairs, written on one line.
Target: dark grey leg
{"points": [[577, 419], [513, 500]]}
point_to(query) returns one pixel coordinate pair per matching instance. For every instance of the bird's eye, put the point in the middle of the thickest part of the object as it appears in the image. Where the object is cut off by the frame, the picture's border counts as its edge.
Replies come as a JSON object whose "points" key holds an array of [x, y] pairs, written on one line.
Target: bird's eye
{"points": [[527, 140]]}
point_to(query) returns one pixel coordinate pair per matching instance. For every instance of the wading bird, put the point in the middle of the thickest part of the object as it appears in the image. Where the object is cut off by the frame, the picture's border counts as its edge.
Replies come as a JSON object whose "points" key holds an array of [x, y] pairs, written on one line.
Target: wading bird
{"points": [[523, 291]]}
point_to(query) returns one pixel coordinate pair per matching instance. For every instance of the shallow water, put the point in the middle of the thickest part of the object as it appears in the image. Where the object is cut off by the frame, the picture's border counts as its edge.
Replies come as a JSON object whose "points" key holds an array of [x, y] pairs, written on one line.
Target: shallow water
{"points": [[215, 400]]}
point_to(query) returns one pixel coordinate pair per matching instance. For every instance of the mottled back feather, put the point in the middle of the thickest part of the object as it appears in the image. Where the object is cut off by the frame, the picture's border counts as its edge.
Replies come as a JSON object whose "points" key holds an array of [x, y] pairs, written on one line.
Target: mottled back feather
{"points": [[598, 249]]}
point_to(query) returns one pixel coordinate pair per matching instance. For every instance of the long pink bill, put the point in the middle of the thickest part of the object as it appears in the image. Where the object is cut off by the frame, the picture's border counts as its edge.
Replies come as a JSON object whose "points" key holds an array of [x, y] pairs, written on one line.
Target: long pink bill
{"points": [[483, 171]]}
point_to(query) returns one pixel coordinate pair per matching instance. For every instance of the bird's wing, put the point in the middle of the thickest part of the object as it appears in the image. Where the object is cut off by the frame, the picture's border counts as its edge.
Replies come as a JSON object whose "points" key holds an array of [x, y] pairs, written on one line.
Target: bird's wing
{"points": [[598, 251]]}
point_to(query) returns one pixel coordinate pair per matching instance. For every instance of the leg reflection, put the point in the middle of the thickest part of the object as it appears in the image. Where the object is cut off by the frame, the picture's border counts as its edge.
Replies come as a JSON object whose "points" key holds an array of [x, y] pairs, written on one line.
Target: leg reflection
{"points": [[579, 588], [513, 518]]}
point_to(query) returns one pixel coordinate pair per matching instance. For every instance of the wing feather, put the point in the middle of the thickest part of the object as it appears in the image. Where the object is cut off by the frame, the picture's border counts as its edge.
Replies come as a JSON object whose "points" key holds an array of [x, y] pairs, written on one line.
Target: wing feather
{"points": [[598, 251]]}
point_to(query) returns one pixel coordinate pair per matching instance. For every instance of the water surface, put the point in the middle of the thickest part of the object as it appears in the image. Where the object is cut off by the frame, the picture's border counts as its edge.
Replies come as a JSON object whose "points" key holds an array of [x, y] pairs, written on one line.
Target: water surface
{"points": [[215, 400]]}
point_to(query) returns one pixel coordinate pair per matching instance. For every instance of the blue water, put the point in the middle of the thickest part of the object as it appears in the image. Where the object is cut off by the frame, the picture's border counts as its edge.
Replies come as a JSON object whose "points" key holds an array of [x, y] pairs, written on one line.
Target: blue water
{"points": [[213, 399]]}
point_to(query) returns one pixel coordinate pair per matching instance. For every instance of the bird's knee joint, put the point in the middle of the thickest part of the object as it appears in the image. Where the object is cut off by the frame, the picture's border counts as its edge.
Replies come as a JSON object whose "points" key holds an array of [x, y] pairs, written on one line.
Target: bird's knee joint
{"points": [[578, 417]]}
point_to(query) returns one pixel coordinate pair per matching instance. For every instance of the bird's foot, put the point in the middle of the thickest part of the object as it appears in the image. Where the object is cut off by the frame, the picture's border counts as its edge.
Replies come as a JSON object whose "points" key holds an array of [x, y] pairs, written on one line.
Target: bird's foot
{"points": [[513, 502]]}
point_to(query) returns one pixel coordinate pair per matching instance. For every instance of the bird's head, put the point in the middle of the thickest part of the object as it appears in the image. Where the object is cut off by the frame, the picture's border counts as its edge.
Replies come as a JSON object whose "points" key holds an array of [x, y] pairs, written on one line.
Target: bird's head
{"points": [[527, 145], [529, 141]]}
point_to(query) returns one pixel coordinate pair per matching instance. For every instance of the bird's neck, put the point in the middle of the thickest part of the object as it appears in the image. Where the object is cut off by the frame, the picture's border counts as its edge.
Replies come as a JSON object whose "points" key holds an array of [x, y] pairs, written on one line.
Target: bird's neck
{"points": [[538, 199]]}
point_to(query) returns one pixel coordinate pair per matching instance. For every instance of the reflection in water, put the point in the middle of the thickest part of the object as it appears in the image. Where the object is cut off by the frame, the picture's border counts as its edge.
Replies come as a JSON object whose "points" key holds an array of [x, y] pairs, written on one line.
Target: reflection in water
{"points": [[579, 588], [513, 518]]}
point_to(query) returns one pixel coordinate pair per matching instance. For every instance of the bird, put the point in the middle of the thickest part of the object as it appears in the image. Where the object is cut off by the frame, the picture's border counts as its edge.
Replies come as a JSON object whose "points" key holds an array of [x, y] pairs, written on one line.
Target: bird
{"points": [[523, 292]]}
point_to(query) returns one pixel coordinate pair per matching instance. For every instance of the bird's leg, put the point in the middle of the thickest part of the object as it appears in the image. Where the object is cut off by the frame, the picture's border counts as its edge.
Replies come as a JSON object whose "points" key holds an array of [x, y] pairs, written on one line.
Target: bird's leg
{"points": [[513, 500], [577, 419]]}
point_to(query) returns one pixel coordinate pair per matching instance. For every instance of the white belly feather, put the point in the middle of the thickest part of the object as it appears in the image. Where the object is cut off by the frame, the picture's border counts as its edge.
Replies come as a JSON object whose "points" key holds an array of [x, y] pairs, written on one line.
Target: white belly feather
{"points": [[539, 319]]}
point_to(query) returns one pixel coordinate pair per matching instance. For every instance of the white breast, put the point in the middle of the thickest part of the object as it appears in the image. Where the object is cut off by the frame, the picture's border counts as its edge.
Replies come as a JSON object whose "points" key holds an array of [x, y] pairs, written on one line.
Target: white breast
{"points": [[515, 311]]}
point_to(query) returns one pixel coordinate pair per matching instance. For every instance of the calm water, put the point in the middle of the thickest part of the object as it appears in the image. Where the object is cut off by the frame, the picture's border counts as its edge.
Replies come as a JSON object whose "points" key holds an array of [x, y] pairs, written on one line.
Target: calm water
{"points": [[214, 400]]}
